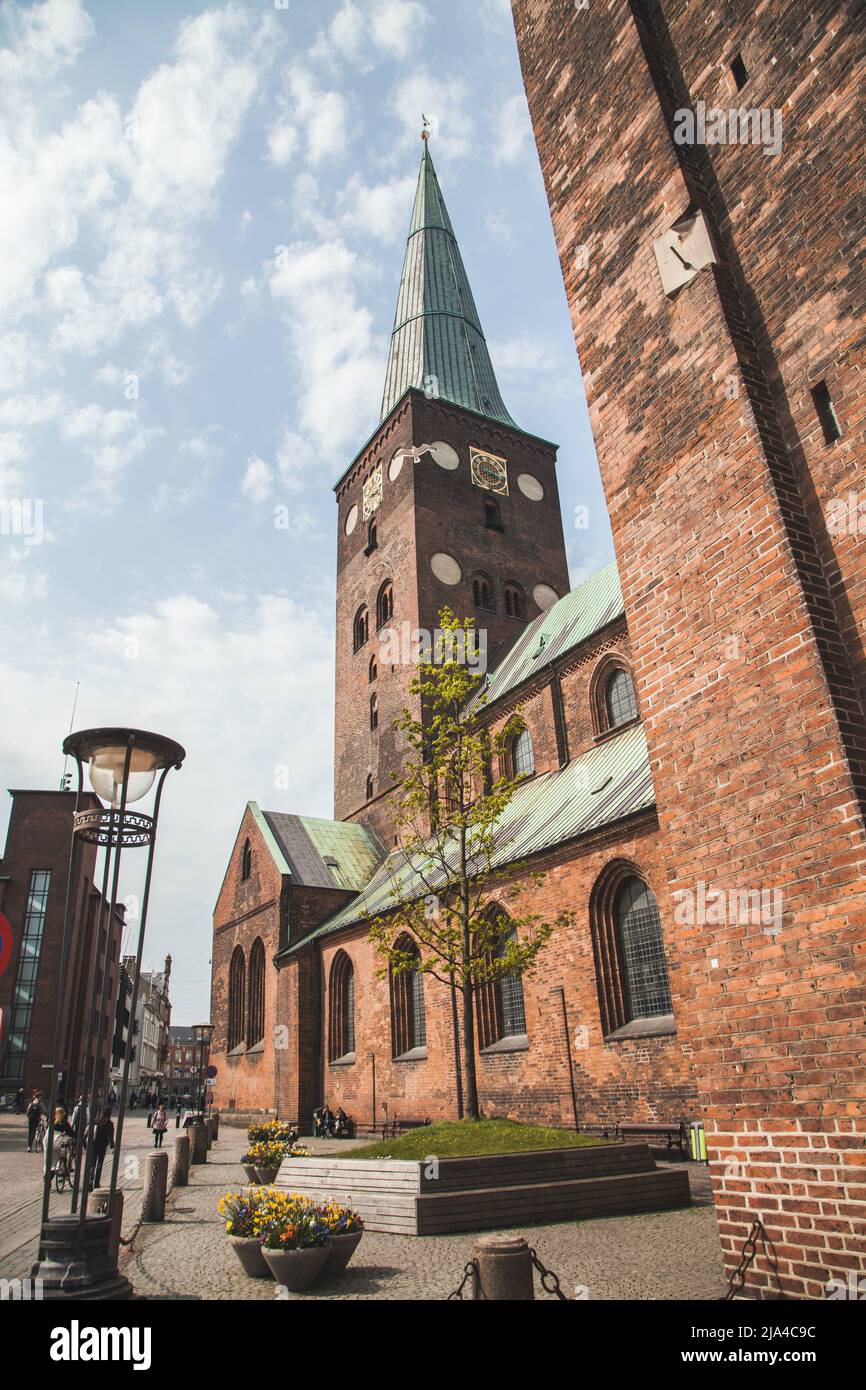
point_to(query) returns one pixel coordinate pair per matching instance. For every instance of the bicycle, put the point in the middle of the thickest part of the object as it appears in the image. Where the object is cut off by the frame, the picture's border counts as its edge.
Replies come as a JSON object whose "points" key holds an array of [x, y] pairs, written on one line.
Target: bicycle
{"points": [[65, 1166], [41, 1131]]}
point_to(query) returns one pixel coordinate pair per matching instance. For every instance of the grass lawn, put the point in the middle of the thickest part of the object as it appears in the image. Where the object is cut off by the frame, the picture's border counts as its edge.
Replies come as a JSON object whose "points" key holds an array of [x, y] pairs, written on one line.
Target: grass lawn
{"points": [[467, 1138]]}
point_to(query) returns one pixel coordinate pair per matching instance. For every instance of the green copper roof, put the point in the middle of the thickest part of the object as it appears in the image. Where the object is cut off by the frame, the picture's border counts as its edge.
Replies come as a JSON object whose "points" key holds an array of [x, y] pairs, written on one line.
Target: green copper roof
{"points": [[576, 616], [605, 784], [320, 853], [437, 333]]}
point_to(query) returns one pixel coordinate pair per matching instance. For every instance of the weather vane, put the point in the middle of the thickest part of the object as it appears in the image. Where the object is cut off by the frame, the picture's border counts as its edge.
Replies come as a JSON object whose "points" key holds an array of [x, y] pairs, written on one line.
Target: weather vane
{"points": [[425, 127]]}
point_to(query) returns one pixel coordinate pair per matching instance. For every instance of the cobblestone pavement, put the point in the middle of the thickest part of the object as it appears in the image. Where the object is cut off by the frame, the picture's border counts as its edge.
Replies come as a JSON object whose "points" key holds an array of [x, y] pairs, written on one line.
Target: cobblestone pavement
{"points": [[21, 1187], [665, 1255]]}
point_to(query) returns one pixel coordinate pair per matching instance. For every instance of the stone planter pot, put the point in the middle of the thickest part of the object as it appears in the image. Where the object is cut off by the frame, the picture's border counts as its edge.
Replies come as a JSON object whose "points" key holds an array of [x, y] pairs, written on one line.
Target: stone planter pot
{"points": [[250, 1171], [340, 1251], [297, 1269], [265, 1176], [249, 1252]]}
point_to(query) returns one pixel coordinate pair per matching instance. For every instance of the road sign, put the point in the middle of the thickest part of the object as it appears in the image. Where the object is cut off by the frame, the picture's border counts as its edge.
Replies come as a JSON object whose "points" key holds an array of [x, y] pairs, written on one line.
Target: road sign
{"points": [[211, 1071], [5, 942]]}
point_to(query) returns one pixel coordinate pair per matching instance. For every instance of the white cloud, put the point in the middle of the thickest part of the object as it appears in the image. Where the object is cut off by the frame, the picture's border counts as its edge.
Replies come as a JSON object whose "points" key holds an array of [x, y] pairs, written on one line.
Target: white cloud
{"points": [[513, 130], [364, 34], [258, 480], [336, 354], [518, 356], [396, 24], [380, 210], [307, 111], [47, 37]]}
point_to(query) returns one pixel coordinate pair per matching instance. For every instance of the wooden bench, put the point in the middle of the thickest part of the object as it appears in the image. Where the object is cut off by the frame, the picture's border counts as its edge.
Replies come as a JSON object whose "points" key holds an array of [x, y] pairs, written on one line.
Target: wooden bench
{"points": [[386, 1129], [674, 1134]]}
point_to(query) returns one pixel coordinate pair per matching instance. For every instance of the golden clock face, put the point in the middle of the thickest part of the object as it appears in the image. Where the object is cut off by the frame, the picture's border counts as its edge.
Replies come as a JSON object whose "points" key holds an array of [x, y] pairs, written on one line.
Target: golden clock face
{"points": [[372, 494], [489, 471]]}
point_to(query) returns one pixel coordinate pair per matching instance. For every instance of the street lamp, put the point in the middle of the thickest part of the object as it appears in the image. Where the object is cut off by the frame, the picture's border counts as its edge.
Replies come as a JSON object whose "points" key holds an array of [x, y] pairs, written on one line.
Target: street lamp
{"points": [[76, 1258], [202, 1032]]}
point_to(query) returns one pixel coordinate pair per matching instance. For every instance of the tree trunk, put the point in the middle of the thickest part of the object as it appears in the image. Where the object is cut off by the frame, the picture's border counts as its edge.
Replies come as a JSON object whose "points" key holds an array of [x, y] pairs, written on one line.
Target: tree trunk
{"points": [[470, 1082]]}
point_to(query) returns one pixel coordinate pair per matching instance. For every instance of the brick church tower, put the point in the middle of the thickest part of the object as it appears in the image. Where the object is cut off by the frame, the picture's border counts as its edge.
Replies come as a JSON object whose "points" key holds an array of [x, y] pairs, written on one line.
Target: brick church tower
{"points": [[717, 295], [449, 502]]}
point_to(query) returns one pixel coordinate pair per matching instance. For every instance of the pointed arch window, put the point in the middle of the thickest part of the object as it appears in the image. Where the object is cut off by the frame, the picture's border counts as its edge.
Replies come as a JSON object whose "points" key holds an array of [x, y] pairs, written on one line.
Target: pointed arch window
{"points": [[521, 756], [256, 994], [341, 1010], [385, 604], [482, 591], [246, 860], [619, 699], [515, 601], [628, 947], [361, 627], [374, 712], [368, 793], [373, 670], [500, 1009], [237, 999], [408, 1014], [372, 537]]}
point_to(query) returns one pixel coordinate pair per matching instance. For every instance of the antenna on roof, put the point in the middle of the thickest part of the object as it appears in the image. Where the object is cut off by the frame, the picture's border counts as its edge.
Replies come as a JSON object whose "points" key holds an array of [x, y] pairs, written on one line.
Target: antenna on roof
{"points": [[65, 779]]}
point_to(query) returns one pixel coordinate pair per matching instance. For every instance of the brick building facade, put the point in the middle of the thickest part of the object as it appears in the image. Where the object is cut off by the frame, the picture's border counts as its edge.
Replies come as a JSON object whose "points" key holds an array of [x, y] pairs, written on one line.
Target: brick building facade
{"points": [[451, 503], [717, 292], [34, 873]]}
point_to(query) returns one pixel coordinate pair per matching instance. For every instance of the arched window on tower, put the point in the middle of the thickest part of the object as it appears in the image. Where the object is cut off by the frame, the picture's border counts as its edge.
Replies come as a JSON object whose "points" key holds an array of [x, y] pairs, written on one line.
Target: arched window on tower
{"points": [[482, 591], [246, 860], [408, 1016], [372, 537], [385, 604], [515, 601], [256, 994], [492, 515], [500, 1009], [361, 627], [373, 670], [341, 1010], [374, 712], [237, 999], [628, 947], [368, 793]]}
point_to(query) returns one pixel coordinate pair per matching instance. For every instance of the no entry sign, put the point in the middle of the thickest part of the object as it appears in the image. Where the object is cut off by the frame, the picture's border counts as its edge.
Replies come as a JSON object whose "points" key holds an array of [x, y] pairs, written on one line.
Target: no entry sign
{"points": [[5, 942]]}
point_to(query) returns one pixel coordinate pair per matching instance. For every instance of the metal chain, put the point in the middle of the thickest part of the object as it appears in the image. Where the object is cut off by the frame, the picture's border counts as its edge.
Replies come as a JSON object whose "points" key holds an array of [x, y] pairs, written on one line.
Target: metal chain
{"points": [[553, 1286], [468, 1271], [749, 1251], [128, 1240]]}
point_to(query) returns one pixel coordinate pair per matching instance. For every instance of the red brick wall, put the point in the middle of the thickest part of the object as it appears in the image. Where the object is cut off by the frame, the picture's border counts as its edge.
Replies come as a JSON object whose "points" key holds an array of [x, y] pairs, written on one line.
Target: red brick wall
{"points": [[628, 1079], [742, 606]]}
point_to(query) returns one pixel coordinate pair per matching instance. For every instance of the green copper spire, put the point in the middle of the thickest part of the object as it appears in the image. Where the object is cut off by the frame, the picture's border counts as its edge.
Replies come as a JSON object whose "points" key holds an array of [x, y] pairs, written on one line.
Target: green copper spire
{"points": [[437, 343]]}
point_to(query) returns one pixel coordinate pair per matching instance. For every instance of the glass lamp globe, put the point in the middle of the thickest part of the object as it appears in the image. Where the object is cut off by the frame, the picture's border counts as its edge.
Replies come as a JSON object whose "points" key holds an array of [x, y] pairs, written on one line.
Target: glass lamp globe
{"points": [[106, 774]]}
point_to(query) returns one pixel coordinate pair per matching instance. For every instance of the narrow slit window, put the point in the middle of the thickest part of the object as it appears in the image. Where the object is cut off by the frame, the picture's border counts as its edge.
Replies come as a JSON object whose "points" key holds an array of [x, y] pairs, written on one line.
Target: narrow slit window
{"points": [[826, 412], [739, 72]]}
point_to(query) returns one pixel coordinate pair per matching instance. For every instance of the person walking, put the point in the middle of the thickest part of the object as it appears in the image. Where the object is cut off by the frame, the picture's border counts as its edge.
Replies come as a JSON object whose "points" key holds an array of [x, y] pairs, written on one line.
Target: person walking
{"points": [[103, 1139], [160, 1125], [34, 1113], [19, 1100]]}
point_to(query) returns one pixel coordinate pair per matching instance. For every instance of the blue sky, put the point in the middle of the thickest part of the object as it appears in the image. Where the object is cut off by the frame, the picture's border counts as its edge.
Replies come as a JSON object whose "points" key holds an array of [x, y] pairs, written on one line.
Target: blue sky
{"points": [[204, 218]]}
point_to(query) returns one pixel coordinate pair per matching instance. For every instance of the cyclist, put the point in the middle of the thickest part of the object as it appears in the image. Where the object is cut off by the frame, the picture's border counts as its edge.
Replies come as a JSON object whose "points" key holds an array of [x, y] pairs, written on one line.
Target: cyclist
{"points": [[35, 1114]]}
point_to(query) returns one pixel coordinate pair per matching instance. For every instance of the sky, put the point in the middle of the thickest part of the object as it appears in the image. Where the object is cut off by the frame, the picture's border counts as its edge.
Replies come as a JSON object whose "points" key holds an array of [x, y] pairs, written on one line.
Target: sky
{"points": [[204, 214]]}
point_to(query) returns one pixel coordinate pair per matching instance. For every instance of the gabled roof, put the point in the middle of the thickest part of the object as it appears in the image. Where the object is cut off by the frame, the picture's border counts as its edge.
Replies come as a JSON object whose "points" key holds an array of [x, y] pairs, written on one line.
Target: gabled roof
{"points": [[437, 332], [604, 785], [575, 617], [320, 853]]}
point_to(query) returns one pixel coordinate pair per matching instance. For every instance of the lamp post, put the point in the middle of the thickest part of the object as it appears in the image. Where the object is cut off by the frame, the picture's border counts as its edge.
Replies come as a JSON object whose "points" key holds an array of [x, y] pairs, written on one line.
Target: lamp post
{"points": [[75, 1258], [202, 1032]]}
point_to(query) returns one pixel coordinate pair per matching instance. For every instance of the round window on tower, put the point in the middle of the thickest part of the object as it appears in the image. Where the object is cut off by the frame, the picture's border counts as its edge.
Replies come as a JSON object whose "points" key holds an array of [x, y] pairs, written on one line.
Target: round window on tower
{"points": [[446, 568], [351, 520]]}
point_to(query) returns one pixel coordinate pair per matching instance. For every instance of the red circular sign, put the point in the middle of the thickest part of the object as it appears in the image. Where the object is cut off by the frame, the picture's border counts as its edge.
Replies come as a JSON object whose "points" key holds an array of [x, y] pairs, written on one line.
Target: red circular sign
{"points": [[5, 942]]}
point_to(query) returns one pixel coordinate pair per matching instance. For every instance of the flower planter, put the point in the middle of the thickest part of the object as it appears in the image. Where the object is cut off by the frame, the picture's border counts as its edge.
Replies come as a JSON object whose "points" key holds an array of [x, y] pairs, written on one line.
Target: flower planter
{"points": [[249, 1251], [266, 1176], [341, 1248], [297, 1269], [250, 1171]]}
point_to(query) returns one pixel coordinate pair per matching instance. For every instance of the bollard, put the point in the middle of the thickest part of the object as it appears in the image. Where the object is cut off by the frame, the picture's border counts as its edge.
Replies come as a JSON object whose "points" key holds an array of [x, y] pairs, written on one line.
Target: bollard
{"points": [[215, 1116], [155, 1183], [208, 1126], [504, 1269], [198, 1142], [180, 1161], [101, 1199], [177, 1119]]}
